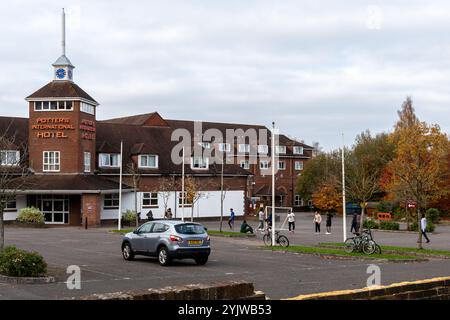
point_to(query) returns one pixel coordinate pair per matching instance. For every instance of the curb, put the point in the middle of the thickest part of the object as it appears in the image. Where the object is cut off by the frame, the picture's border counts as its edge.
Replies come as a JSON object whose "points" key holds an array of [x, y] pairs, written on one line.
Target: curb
{"points": [[27, 280], [401, 231], [231, 236]]}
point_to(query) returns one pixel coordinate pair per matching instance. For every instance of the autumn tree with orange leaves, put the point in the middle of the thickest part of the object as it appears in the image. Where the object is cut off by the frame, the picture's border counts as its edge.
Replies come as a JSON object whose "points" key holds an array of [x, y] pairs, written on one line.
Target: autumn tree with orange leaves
{"points": [[327, 197], [420, 163]]}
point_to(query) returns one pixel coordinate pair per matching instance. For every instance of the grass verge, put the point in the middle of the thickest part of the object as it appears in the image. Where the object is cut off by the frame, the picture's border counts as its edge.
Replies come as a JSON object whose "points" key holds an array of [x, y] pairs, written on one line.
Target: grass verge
{"points": [[122, 231], [229, 234], [396, 249], [340, 252]]}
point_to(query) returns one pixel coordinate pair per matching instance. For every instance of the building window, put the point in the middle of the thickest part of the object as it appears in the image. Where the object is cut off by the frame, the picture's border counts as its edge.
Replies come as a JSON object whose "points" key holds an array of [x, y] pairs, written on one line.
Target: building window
{"points": [[87, 108], [187, 203], [111, 201], [281, 165], [205, 145], [51, 161], [245, 164], [224, 147], [244, 148], [298, 165], [109, 160], [298, 150], [87, 162], [199, 163], [10, 205], [150, 199], [263, 148], [298, 202], [10, 157], [280, 149], [148, 161], [264, 164], [53, 105]]}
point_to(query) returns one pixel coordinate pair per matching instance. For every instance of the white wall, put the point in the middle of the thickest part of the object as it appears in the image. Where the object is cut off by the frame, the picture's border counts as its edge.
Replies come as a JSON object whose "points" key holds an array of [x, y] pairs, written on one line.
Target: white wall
{"points": [[207, 206], [21, 202]]}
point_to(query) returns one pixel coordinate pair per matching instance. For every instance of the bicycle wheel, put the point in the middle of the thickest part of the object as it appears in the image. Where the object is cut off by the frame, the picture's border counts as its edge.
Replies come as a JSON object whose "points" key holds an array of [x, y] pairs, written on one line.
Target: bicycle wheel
{"points": [[267, 240], [378, 249], [369, 247], [349, 245], [283, 241]]}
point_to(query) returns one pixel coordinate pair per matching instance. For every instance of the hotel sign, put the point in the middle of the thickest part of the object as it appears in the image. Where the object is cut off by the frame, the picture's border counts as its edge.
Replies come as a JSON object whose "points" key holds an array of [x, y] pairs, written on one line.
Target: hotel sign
{"points": [[58, 128], [52, 127]]}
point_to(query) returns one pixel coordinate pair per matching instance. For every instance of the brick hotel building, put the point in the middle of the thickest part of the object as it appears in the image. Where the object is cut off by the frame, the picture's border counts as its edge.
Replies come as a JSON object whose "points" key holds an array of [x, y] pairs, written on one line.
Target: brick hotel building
{"points": [[72, 161]]}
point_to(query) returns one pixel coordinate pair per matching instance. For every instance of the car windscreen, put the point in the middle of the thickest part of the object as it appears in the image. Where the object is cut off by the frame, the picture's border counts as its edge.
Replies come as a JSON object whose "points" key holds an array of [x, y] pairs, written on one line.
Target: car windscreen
{"points": [[188, 228]]}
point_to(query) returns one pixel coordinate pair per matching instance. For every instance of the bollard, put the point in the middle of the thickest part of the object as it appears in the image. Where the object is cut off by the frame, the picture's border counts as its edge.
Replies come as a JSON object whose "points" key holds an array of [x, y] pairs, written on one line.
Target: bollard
{"points": [[85, 223]]}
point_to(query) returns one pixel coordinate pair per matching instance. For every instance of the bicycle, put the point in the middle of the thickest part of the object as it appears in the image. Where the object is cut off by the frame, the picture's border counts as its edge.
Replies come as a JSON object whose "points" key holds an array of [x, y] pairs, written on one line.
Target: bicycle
{"points": [[280, 239], [363, 242]]}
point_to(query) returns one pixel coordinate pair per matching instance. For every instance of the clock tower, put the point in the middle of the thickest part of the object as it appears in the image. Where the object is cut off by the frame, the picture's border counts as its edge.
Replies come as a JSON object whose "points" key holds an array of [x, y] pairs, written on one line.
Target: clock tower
{"points": [[63, 68]]}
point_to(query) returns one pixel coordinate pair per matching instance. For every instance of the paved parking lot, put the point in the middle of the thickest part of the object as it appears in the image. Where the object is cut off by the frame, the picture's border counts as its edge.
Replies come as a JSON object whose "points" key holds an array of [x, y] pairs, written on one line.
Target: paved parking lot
{"points": [[279, 275]]}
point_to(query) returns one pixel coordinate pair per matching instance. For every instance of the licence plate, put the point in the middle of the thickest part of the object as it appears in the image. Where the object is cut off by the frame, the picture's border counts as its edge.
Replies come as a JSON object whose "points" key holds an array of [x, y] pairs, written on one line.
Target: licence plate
{"points": [[194, 242]]}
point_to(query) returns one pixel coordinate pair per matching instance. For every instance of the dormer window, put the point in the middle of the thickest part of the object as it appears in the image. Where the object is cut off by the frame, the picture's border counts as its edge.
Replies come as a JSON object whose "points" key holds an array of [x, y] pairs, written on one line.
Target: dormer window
{"points": [[244, 148], [148, 161], [205, 145], [298, 150], [199, 163], [224, 147], [87, 108], [263, 148], [53, 105], [108, 160], [10, 157], [280, 149]]}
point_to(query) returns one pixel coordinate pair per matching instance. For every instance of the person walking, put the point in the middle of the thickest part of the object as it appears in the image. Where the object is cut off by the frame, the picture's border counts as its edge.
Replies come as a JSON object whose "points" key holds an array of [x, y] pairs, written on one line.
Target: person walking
{"points": [[169, 213], [261, 217], [150, 215], [329, 218], [291, 221], [423, 227], [231, 219], [353, 227], [317, 220], [358, 223]]}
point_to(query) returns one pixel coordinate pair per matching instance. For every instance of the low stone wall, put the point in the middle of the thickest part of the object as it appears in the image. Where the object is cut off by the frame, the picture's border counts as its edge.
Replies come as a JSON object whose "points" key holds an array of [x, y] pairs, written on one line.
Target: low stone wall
{"points": [[225, 290], [430, 289]]}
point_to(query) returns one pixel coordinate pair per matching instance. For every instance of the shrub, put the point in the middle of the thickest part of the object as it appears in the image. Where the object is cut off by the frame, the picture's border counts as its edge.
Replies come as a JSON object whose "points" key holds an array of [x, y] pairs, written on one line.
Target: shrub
{"points": [[370, 224], [389, 225], [398, 213], [31, 215], [433, 215], [129, 216], [15, 262], [384, 206], [430, 226]]}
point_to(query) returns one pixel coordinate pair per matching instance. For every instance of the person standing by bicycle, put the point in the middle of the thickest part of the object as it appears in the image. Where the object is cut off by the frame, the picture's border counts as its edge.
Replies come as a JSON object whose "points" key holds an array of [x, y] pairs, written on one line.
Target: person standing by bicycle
{"points": [[291, 221], [317, 220]]}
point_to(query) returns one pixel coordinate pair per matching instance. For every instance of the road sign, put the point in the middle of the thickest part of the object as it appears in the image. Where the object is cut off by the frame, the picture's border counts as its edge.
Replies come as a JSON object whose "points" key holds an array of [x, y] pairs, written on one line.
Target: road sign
{"points": [[411, 204]]}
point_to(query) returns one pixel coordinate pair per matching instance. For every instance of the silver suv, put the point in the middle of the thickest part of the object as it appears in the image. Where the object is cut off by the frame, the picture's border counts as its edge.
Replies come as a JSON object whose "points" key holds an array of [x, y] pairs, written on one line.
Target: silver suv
{"points": [[167, 240]]}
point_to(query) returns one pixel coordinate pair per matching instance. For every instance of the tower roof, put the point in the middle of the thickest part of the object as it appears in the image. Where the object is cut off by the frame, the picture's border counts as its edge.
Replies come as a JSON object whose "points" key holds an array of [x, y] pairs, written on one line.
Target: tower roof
{"points": [[61, 89], [63, 61]]}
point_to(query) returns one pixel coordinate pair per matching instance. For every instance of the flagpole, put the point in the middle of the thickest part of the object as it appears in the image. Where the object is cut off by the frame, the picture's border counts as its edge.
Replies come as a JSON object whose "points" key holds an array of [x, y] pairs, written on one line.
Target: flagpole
{"points": [[273, 183], [182, 188], [120, 187], [344, 209]]}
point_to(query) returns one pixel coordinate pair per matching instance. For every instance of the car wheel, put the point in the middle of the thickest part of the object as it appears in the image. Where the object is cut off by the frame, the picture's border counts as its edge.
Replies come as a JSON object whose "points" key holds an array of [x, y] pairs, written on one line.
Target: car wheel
{"points": [[201, 260], [127, 252], [163, 256]]}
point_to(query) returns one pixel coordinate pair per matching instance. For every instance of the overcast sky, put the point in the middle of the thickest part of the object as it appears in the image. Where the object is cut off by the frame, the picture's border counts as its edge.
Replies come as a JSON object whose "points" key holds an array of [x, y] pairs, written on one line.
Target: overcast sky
{"points": [[316, 68]]}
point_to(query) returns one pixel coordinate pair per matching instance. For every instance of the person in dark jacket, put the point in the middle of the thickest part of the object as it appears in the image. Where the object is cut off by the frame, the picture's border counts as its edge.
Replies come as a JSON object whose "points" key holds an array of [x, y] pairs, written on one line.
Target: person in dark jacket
{"points": [[245, 227], [329, 218], [354, 223], [150, 215]]}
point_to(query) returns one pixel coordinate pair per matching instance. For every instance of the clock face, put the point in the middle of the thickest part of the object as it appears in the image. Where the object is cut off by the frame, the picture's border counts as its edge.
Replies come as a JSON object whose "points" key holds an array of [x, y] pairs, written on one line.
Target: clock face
{"points": [[60, 73]]}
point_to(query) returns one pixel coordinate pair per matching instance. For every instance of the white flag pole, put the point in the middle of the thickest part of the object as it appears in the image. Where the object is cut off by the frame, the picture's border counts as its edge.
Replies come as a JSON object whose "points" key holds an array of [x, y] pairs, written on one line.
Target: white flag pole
{"points": [[273, 183], [344, 209], [120, 187], [182, 188]]}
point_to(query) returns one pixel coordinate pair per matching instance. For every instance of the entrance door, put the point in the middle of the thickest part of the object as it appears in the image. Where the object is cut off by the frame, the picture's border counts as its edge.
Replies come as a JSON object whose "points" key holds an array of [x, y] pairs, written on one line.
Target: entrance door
{"points": [[55, 208]]}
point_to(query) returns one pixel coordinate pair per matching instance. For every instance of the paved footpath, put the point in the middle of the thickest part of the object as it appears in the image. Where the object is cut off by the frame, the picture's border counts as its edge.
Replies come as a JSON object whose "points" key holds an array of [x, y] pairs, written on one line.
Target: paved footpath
{"points": [[278, 274]]}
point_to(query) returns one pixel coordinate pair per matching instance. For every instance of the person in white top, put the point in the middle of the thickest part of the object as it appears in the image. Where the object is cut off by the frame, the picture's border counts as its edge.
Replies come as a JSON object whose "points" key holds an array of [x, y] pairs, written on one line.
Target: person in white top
{"points": [[423, 227], [261, 217], [291, 221], [317, 220]]}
